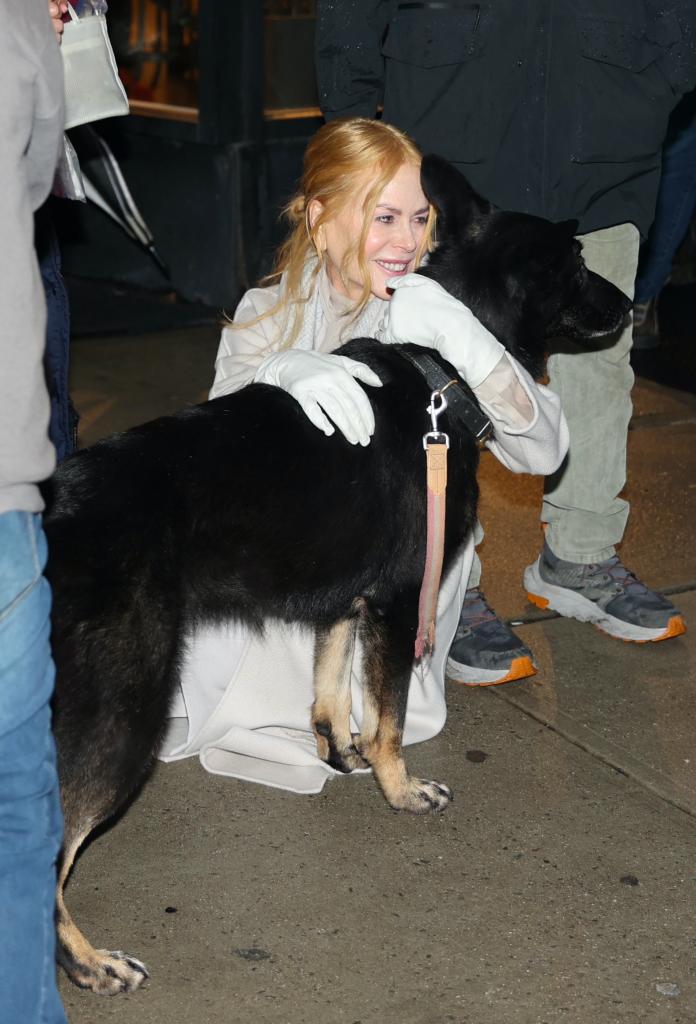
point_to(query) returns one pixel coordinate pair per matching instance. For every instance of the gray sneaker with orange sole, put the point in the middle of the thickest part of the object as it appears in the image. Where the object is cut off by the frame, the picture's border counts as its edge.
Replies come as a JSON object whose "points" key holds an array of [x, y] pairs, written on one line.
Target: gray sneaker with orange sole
{"points": [[605, 593], [485, 651]]}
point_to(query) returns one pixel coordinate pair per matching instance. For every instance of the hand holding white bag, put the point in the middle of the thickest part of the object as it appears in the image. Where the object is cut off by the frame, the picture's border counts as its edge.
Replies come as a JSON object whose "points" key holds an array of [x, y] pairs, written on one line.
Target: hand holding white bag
{"points": [[422, 312], [325, 385]]}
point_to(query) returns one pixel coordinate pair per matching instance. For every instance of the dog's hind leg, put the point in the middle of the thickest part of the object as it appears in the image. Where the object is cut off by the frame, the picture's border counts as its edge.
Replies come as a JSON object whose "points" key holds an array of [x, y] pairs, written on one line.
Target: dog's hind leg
{"points": [[388, 660], [104, 753], [116, 671], [333, 661], [106, 972]]}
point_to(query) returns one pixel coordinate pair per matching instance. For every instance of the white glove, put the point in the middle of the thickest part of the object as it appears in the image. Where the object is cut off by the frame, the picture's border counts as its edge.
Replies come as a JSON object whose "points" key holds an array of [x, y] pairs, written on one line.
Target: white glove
{"points": [[325, 382], [422, 312]]}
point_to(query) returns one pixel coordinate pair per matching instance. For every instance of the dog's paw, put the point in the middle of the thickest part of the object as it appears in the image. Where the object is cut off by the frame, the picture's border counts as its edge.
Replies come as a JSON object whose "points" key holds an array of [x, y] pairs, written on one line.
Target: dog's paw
{"points": [[346, 760], [352, 758], [343, 758], [421, 796], [110, 972]]}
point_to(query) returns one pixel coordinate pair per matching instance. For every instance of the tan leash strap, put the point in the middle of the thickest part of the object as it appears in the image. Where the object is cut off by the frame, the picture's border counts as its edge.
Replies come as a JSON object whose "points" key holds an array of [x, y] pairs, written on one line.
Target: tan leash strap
{"points": [[436, 445]]}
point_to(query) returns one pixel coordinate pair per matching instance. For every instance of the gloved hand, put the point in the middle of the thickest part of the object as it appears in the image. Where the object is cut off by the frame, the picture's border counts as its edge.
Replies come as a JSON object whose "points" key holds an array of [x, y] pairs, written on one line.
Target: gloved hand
{"points": [[422, 312], [325, 382]]}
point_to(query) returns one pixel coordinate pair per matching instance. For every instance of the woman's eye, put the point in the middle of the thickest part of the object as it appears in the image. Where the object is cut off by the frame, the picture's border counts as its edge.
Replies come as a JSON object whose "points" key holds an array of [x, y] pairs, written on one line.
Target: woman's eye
{"points": [[422, 219], [385, 218]]}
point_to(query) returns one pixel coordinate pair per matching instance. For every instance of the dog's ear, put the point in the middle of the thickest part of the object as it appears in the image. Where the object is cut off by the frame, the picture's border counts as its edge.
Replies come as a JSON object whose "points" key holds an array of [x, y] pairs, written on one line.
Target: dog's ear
{"points": [[458, 205]]}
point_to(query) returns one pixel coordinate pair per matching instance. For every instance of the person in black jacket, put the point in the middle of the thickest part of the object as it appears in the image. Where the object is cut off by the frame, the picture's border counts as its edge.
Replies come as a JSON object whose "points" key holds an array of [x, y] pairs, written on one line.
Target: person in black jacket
{"points": [[556, 108]]}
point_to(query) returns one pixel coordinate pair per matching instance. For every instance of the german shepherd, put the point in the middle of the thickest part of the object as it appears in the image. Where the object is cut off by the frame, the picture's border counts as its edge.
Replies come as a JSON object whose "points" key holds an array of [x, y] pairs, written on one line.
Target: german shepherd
{"points": [[240, 509]]}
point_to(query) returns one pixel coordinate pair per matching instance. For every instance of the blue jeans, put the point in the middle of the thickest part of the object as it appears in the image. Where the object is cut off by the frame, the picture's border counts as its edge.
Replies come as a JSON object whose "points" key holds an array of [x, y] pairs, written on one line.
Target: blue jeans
{"points": [[676, 202], [30, 816]]}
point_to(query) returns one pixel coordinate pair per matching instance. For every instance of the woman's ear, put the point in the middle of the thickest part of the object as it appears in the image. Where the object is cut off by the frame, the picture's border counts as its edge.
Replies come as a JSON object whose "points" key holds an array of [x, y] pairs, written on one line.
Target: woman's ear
{"points": [[314, 212]]}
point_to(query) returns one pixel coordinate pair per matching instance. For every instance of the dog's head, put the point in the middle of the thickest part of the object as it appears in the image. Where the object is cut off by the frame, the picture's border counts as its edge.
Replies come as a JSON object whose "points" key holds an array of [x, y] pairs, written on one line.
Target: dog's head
{"points": [[522, 276]]}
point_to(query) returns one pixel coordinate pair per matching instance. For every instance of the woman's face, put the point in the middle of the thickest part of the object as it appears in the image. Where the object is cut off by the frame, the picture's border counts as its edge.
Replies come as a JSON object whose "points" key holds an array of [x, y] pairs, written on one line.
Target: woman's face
{"points": [[396, 229]]}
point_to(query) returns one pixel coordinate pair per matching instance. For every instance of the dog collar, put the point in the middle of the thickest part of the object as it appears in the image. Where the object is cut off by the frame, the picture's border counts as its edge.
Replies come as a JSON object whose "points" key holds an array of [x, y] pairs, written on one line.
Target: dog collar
{"points": [[458, 401]]}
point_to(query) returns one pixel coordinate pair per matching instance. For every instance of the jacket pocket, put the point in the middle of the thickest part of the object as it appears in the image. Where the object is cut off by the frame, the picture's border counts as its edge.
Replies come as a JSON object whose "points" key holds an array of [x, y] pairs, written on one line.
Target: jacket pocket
{"points": [[623, 95], [434, 36], [435, 84]]}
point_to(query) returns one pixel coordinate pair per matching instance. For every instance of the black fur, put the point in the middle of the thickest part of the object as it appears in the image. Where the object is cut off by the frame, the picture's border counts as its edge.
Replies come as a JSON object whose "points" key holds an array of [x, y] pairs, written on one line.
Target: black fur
{"points": [[241, 509]]}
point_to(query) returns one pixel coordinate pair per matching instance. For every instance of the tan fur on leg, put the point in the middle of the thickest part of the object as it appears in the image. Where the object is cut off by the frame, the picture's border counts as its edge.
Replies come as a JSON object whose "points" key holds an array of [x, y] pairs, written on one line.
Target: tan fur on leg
{"points": [[333, 662], [402, 791], [105, 972]]}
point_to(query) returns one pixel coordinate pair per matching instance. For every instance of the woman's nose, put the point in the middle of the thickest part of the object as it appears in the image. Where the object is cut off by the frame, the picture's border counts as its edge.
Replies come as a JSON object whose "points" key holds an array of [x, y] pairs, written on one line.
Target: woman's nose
{"points": [[406, 238]]}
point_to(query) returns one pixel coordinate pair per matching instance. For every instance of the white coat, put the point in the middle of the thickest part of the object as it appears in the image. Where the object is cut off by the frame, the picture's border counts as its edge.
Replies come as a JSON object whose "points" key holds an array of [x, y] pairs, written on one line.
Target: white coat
{"points": [[245, 701]]}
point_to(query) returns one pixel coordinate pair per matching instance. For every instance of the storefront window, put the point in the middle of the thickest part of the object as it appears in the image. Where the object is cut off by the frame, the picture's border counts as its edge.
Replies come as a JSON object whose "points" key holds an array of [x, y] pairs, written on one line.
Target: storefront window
{"points": [[156, 48], [290, 86]]}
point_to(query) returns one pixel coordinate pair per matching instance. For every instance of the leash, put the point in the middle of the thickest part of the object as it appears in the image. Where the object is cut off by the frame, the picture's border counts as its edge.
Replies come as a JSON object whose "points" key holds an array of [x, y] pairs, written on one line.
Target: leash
{"points": [[436, 445]]}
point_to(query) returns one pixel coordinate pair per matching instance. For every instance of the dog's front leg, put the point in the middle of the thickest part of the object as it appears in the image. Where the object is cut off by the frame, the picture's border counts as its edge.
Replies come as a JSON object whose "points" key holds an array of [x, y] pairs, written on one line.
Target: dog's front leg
{"points": [[333, 662], [388, 638]]}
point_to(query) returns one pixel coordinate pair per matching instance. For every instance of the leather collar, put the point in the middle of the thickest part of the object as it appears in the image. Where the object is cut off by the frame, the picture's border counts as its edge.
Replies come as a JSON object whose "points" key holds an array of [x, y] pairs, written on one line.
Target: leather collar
{"points": [[459, 403]]}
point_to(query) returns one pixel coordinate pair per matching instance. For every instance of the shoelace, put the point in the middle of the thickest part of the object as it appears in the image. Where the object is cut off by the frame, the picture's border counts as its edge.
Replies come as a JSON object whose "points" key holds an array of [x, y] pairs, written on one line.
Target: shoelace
{"points": [[476, 616], [615, 571]]}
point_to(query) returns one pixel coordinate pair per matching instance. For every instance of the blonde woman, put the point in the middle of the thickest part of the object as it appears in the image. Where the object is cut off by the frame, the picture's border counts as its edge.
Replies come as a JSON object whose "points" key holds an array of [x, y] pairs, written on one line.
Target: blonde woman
{"points": [[359, 226]]}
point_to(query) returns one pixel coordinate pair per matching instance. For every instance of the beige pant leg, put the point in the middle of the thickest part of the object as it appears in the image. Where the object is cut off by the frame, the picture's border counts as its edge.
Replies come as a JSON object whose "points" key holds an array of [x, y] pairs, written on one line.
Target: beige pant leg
{"points": [[582, 506]]}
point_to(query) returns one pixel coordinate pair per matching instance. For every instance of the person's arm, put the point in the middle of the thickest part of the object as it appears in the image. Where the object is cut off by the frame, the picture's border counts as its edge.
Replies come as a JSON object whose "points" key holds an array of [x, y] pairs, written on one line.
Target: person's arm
{"points": [[244, 346], [674, 24], [348, 58], [531, 434], [324, 385]]}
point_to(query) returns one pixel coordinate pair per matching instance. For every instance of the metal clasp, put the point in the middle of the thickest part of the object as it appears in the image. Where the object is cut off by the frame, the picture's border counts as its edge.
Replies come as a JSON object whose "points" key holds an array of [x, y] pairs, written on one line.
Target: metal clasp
{"points": [[438, 404]]}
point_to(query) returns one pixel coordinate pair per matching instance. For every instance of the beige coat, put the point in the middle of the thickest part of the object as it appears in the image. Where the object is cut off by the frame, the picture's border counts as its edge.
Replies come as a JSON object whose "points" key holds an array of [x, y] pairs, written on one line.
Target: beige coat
{"points": [[245, 701]]}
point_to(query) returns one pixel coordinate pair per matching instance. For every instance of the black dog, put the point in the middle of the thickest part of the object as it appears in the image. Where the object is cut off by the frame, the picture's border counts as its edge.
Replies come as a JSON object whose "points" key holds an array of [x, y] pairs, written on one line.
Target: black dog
{"points": [[240, 509]]}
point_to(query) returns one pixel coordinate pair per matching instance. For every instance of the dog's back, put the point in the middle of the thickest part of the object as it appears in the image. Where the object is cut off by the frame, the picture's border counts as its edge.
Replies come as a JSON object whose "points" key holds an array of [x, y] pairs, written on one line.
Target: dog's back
{"points": [[241, 509]]}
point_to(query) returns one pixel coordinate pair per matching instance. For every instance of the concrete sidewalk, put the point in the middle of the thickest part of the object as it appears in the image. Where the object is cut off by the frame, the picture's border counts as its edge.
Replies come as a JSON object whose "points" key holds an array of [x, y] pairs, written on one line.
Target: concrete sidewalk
{"points": [[559, 886]]}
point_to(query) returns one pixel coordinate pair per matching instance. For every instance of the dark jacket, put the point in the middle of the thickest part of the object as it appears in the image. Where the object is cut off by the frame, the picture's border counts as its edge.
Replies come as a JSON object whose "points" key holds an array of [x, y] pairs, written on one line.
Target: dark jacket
{"points": [[552, 107]]}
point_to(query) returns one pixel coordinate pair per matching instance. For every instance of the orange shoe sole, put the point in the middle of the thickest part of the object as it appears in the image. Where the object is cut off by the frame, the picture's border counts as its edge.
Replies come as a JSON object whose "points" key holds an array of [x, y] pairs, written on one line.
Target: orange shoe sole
{"points": [[520, 668], [675, 627]]}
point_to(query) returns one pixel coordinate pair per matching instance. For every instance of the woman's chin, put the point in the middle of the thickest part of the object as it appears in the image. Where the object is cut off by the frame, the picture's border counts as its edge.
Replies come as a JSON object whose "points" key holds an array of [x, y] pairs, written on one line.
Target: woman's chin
{"points": [[380, 281], [380, 288]]}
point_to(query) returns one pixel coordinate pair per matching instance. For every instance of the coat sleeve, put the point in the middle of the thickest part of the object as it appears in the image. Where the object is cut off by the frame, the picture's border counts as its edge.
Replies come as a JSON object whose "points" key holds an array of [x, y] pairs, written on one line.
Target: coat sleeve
{"points": [[538, 445], [673, 23], [348, 58], [31, 121], [245, 344]]}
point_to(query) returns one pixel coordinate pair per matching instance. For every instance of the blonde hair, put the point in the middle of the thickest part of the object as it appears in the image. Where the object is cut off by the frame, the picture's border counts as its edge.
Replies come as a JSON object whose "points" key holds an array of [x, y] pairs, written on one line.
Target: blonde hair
{"points": [[339, 159]]}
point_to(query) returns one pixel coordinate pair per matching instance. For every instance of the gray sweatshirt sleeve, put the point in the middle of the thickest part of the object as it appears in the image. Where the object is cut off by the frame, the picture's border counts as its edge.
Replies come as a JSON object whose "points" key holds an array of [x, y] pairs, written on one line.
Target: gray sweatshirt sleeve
{"points": [[31, 122]]}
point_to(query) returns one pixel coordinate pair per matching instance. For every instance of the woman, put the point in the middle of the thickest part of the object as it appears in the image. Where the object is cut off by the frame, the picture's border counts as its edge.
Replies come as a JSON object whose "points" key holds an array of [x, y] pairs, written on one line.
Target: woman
{"points": [[360, 226]]}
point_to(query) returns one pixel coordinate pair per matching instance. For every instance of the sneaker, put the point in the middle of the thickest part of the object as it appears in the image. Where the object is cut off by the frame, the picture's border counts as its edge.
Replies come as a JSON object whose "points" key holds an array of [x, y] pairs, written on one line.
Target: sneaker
{"points": [[604, 593], [484, 650], [646, 329]]}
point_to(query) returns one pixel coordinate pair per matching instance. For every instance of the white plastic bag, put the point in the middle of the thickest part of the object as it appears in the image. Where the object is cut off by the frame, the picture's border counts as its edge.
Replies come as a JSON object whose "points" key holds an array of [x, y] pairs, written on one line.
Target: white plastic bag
{"points": [[68, 182], [93, 89]]}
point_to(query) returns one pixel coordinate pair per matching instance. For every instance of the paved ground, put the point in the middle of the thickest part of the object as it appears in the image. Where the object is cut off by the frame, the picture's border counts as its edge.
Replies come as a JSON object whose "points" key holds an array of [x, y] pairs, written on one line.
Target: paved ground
{"points": [[560, 886]]}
